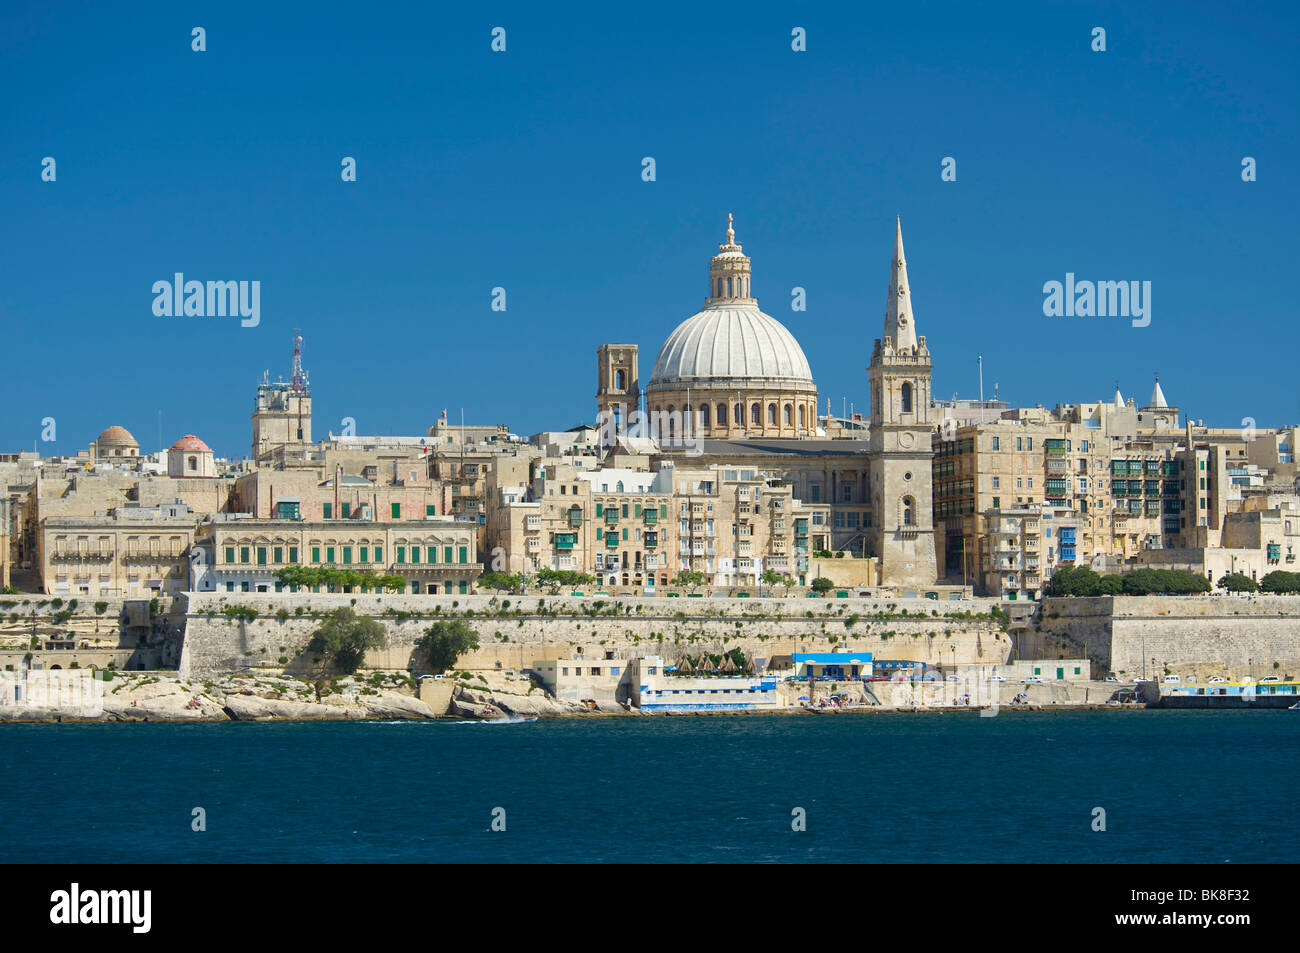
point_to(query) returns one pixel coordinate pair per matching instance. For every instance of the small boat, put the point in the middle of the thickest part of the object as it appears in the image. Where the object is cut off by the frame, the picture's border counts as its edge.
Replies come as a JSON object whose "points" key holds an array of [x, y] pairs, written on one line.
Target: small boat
{"points": [[1295, 707]]}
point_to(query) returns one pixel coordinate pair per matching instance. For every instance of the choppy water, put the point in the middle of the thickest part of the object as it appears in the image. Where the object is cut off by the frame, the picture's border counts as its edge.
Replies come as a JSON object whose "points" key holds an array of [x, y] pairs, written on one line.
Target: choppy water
{"points": [[1021, 787]]}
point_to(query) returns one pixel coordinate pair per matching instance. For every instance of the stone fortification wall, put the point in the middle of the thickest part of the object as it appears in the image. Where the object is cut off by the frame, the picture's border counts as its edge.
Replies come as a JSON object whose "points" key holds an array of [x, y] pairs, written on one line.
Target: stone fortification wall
{"points": [[516, 631], [1198, 636]]}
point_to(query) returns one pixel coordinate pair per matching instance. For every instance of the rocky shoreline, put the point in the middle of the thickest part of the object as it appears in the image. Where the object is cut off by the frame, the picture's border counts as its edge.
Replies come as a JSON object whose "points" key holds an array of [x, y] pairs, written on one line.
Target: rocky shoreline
{"points": [[164, 697]]}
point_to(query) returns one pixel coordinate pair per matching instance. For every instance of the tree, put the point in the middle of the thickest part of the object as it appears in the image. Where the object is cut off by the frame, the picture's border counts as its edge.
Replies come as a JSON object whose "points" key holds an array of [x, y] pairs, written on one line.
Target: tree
{"points": [[822, 585], [1237, 582], [689, 578], [1280, 581], [555, 578], [508, 582], [341, 643], [446, 641]]}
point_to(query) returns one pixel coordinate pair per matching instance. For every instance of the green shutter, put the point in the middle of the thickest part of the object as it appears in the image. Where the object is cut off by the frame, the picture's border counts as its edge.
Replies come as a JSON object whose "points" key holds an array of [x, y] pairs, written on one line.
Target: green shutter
{"points": [[663, 511], [638, 510], [433, 554], [347, 555], [396, 510], [464, 554], [415, 554], [446, 554], [329, 510], [279, 555], [243, 554], [365, 551], [600, 509], [315, 554], [293, 554], [329, 555], [347, 510], [401, 554], [261, 555], [379, 554], [430, 510], [463, 587], [230, 554]]}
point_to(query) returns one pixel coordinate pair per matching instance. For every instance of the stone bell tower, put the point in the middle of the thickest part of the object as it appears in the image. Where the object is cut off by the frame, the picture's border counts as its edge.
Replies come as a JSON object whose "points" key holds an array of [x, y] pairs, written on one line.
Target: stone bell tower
{"points": [[618, 386], [902, 526]]}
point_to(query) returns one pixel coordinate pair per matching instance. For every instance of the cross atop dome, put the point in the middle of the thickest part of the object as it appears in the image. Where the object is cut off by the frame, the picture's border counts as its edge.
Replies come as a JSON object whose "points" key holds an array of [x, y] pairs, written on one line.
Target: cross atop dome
{"points": [[729, 271]]}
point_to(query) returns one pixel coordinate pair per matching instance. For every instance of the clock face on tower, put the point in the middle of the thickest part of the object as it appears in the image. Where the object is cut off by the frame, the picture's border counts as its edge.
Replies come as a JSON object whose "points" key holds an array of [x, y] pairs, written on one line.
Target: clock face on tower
{"points": [[905, 440]]}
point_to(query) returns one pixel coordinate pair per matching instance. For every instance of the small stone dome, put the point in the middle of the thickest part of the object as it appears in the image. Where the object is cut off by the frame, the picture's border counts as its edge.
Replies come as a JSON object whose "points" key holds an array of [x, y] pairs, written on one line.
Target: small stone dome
{"points": [[116, 436]]}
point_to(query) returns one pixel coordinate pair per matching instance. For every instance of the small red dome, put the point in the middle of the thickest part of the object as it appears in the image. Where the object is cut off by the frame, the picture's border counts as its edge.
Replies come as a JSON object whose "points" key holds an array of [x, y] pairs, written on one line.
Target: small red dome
{"points": [[191, 442]]}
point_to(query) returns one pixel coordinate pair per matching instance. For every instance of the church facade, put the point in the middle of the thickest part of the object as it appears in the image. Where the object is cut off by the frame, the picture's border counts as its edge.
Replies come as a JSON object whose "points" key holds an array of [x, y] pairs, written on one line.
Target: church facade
{"points": [[738, 381]]}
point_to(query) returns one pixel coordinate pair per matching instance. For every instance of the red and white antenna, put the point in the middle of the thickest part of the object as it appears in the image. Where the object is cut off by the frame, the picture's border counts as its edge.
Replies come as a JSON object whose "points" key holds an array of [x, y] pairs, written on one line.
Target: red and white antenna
{"points": [[299, 376]]}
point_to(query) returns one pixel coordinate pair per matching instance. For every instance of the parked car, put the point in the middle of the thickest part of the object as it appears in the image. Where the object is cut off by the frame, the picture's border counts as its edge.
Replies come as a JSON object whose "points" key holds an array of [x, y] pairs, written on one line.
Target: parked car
{"points": [[1270, 678], [952, 678], [997, 678], [1172, 679], [1217, 680], [1032, 680], [1110, 678]]}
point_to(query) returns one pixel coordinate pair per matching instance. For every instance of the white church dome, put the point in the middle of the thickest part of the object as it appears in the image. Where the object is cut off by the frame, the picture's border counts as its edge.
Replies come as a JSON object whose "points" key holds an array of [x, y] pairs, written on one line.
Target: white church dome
{"points": [[731, 341]]}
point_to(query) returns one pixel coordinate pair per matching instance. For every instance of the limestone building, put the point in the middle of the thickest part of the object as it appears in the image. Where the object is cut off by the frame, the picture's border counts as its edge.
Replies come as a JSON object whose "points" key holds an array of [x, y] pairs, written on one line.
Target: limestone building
{"points": [[234, 553], [191, 458]]}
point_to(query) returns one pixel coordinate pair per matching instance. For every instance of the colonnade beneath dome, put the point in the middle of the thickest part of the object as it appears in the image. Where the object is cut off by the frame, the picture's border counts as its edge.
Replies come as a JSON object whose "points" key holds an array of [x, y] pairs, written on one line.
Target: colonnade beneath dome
{"points": [[722, 415]]}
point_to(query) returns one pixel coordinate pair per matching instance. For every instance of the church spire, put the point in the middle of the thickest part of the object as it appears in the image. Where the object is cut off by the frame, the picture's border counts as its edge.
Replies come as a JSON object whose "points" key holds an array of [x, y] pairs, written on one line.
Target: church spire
{"points": [[1157, 396], [899, 322], [729, 272]]}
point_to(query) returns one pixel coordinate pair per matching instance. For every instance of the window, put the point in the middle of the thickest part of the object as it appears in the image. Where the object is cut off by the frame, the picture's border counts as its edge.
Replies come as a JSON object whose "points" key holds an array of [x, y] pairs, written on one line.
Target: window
{"points": [[801, 416], [293, 554], [789, 415], [329, 555], [329, 510], [771, 414], [996, 483], [401, 555], [347, 510], [415, 554], [347, 555], [261, 555], [722, 415], [704, 415], [847, 492], [995, 443], [1020, 443], [755, 414], [906, 398], [997, 502], [446, 554], [365, 553], [395, 510], [243, 554], [1029, 443], [909, 511], [315, 554], [433, 554], [278, 554], [464, 552], [230, 554], [379, 554]]}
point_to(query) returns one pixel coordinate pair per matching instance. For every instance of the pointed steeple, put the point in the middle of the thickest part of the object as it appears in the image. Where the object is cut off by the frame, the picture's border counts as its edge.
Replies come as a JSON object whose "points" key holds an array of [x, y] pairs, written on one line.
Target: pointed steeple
{"points": [[900, 325], [729, 271], [1157, 396], [1119, 398]]}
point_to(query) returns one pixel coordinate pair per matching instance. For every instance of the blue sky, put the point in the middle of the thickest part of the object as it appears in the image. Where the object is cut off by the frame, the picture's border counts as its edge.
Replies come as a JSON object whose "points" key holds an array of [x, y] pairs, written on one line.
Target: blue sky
{"points": [[523, 170]]}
